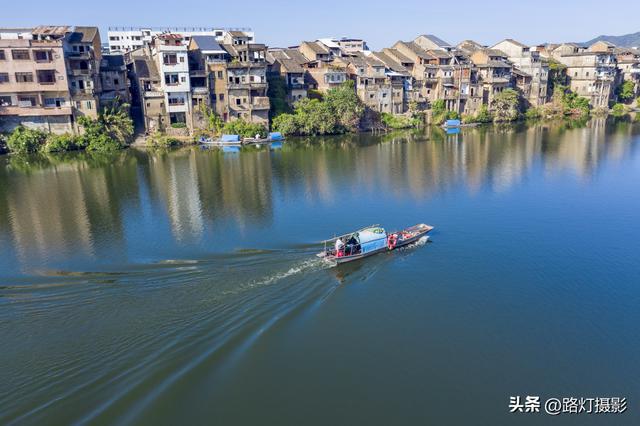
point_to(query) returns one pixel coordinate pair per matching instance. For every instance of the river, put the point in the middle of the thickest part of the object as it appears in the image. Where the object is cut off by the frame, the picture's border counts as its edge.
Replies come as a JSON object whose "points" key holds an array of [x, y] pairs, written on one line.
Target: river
{"points": [[182, 287]]}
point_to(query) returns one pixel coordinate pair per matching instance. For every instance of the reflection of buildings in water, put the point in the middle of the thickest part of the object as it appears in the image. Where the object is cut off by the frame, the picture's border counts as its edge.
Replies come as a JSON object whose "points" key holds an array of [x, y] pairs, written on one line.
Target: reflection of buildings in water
{"points": [[235, 187], [584, 149], [58, 210]]}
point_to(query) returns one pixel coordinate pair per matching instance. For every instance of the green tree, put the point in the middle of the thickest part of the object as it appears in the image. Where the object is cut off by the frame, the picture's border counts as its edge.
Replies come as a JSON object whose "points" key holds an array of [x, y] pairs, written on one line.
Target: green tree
{"points": [[24, 140], [557, 75], [506, 106], [112, 129], [244, 128], [626, 91], [619, 110], [277, 93], [483, 115], [339, 111], [60, 143]]}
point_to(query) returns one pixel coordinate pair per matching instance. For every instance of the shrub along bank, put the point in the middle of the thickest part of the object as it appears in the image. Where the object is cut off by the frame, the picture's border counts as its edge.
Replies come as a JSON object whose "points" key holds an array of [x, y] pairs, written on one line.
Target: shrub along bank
{"points": [[112, 130]]}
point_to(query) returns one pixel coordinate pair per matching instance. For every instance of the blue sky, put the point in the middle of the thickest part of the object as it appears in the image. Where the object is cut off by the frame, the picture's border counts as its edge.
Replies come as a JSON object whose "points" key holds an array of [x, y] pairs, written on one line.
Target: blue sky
{"points": [[381, 23]]}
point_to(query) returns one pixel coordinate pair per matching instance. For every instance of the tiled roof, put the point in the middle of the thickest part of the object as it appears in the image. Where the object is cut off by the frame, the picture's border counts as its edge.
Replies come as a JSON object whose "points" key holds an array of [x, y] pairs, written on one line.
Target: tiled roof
{"points": [[397, 54], [290, 59], [436, 40], [390, 62]]}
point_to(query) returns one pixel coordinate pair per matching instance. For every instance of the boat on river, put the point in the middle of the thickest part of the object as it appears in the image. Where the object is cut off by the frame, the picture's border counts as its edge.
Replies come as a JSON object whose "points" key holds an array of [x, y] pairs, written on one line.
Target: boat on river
{"points": [[225, 140], [369, 241], [235, 140]]}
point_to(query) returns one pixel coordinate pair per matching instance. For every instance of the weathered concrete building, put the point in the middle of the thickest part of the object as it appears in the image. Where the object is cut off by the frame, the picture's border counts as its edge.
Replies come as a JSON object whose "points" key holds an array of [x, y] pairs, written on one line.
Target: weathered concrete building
{"points": [[34, 87], [628, 61], [494, 73], [246, 78], [531, 71], [114, 80], [591, 74], [83, 56], [288, 64]]}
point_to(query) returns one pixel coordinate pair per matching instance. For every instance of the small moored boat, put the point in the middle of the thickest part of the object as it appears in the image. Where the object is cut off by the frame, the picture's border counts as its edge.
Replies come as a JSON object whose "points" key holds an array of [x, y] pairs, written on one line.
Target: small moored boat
{"points": [[225, 140], [369, 241]]}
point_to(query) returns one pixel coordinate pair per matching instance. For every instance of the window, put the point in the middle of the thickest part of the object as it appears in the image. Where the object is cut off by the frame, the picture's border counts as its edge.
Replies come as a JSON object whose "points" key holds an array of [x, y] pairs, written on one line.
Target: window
{"points": [[170, 59], [238, 101], [42, 55], [171, 79], [221, 96], [26, 101], [53, 102], [4, 77], [89, 105], [46, 76], [2, 56], [24, 77], [181, 58], [5, 101], [176, 101], [116, 82], [183, 79], [220, 74], [20, 54]]}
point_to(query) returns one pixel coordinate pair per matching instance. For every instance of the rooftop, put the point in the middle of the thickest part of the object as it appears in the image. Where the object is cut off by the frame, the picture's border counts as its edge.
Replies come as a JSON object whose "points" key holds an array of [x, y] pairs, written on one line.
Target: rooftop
{"points": [[207, 43]]}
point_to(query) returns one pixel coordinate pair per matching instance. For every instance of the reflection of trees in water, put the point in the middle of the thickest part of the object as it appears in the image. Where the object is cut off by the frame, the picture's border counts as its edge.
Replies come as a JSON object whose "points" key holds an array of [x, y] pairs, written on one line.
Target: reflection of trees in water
{"points": [[52, 205]]}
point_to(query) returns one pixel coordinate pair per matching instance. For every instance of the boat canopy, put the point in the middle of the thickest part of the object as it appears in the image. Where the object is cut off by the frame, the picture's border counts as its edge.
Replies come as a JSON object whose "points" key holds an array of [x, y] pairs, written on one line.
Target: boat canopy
{"points": [[275, 136], [372, 239], [371, 234], [452, 123], [230, 138]]}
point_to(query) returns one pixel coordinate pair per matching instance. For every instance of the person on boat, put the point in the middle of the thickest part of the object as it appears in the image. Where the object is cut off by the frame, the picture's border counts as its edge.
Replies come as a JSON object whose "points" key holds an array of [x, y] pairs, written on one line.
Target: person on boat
{"points": [[339, 247], [352, 245], [257, 136]]}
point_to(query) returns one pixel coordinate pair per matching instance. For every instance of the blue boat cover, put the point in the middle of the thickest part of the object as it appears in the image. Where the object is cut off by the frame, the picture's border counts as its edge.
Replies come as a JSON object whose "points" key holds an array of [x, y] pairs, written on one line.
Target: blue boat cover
{"points": [[230, 138], [372, 239], [275, 136], [452, 123]]}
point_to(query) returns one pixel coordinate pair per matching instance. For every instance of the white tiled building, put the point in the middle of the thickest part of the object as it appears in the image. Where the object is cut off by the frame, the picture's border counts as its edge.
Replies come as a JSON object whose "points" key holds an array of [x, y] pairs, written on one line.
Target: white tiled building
{"points": [[170, 53], [126, 39]]}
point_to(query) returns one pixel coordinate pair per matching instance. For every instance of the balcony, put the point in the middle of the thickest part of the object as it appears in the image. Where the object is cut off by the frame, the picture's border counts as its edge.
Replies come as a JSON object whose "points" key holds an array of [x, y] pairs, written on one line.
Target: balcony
{"points": [[153, 94], [79, 55], [260, 102], [80, 72], [34, 110], [499, 79], [247, 85], [446, 80]]}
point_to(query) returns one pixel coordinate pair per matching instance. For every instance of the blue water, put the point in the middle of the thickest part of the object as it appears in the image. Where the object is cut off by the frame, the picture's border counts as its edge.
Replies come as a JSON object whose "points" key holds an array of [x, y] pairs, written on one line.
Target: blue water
{"points": [[182, 286]]}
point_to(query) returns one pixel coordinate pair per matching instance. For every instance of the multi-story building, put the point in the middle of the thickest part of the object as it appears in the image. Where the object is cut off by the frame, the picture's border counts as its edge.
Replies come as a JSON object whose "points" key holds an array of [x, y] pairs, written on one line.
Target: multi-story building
{"points": [[246, 78], [289, 65], [629, 65], [344, 45], [148, 98], [170, 54], [126, 39], [494, 73], [83, 57], [591, 74], [533, 71], [34, 88], [401, 83], [114, 80]]}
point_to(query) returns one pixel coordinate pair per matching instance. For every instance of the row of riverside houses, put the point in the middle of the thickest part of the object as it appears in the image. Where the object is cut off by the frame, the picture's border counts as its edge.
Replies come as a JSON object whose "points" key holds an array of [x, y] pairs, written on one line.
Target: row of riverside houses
{"points": [[174, 78], [465, 76], [175, 81], [51, 75]]}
